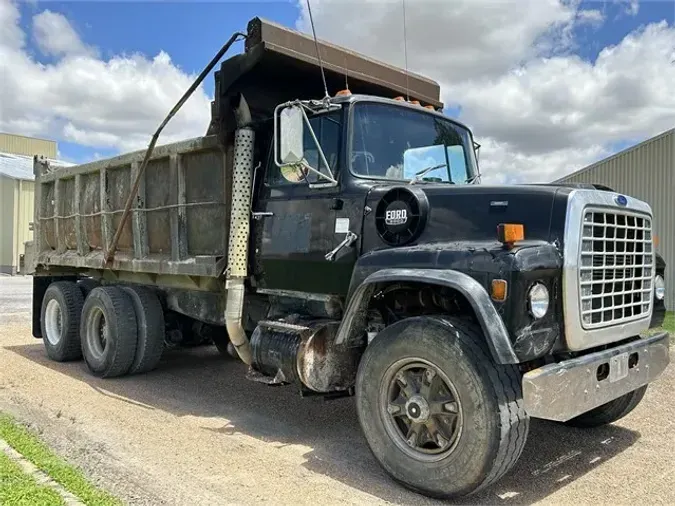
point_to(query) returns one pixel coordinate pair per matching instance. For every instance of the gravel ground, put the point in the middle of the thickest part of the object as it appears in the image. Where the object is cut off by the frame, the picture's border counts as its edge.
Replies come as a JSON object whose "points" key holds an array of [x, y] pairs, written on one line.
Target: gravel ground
{"points": [[196, 432]]}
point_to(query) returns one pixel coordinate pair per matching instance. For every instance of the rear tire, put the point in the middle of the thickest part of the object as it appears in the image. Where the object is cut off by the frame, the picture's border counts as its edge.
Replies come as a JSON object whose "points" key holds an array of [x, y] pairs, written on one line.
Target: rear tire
{"points": [[108, 332], [465, 436], [610, 412], [60, 321], [150, 324], [87, 285]]}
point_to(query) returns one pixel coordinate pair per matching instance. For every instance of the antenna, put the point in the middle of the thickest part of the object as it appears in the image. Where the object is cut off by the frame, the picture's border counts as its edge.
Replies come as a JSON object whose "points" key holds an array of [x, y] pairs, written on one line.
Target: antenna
{"points": [[346, 74], [405, 53], [318, 53]]}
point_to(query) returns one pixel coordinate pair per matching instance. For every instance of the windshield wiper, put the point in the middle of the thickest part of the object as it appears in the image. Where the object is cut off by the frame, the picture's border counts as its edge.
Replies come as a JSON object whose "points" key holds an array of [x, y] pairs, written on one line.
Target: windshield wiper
{"points": [[472, 179], [419, 175]]}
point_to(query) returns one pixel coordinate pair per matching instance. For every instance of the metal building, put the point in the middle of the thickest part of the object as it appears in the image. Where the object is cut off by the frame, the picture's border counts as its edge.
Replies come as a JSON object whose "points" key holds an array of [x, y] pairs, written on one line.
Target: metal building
{"points": [[645, 171], [28, 146], [17, 193]]}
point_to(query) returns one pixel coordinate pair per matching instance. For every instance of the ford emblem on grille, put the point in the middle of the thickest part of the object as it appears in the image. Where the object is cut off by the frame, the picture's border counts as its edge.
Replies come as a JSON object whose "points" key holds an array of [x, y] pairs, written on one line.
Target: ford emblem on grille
{"points": [[621, 200]]}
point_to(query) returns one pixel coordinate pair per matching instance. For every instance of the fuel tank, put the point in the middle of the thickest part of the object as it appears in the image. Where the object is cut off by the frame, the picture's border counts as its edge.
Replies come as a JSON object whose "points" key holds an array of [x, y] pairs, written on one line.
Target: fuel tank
{"points": [[303, 353]]}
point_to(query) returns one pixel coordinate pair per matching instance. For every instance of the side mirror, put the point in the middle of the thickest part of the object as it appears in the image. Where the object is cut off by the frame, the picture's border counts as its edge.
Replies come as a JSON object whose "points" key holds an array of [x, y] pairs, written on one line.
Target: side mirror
{"points": [[290, 135], [290, 122]]}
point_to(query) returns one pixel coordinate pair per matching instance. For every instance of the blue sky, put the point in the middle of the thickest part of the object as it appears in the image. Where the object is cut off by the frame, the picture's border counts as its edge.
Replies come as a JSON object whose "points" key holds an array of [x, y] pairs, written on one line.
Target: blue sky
{"points": [[190, 32], [619, 23]]}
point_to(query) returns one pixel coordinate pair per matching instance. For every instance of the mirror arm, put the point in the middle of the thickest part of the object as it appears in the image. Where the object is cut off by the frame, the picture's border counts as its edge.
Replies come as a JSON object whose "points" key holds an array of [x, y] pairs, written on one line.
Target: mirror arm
{"points": [[330, 176], [331, 180]]}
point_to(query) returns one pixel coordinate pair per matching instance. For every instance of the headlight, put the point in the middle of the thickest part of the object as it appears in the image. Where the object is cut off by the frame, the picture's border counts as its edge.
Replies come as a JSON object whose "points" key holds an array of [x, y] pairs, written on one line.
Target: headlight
{"points": [[538, 299], [659, 287]]}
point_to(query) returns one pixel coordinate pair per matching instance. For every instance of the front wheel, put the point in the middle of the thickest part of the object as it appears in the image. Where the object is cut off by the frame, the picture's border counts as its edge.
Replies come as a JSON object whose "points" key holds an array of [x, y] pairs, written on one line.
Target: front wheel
{"points": [[610, 412], [438, 414]]}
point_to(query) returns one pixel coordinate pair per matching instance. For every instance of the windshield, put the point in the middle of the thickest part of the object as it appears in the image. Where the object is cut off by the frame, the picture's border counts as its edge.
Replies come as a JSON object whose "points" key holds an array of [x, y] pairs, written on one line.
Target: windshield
{"points": [[400, 143]]}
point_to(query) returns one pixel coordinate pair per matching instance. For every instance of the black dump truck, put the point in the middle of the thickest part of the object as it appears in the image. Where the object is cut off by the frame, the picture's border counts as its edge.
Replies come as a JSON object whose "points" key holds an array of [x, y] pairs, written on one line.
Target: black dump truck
{"points": [[342, 244]]}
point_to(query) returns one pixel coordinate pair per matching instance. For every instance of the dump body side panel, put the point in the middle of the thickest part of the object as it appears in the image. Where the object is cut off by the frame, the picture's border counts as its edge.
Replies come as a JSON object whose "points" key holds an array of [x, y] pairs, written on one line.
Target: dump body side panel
{"points": [[179, 219]]}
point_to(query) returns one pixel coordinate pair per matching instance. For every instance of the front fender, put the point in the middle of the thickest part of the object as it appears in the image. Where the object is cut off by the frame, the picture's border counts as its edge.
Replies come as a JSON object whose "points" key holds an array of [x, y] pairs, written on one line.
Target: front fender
{"points": [[490, 321]]}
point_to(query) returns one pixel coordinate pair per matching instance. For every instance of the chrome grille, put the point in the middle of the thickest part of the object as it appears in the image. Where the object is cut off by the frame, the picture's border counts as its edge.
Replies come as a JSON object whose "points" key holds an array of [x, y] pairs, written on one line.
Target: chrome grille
{"points": [[615, 268]]}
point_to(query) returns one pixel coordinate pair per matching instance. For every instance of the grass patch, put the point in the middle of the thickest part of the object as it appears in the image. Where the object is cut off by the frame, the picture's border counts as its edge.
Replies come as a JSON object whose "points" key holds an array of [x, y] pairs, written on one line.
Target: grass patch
{"points": [[71, 478], [669, 323], [20, 489]]}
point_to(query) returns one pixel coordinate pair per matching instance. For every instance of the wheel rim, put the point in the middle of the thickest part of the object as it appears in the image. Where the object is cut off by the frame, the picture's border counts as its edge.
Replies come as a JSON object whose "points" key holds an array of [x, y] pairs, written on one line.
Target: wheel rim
{"points": [[97, 333], [421, 409], [53, 322]]}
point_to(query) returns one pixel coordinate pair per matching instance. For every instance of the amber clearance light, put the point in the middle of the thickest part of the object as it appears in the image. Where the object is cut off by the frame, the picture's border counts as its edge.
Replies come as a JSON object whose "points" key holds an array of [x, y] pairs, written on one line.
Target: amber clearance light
{"points": [[509, 233], [499, 289]]}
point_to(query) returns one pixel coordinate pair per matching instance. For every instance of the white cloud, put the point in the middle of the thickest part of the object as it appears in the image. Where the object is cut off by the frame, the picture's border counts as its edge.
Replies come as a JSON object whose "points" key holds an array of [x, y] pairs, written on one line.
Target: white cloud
{"points": [[539, 110], [11, 36], [631, 7], [591, 16], [503, 165], [468, 38], [56, 37], [114, 103]]}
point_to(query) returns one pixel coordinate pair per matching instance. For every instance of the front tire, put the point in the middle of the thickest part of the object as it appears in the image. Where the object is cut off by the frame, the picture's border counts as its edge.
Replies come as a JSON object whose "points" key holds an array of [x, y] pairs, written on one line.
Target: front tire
{"points": [[108, 331], [610, 412], [438, 414]]}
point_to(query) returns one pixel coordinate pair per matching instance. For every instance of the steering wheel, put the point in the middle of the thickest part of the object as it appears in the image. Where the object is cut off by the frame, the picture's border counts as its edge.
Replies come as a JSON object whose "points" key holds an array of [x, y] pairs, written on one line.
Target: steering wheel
{"points": [[366, 154], [365, 158]]}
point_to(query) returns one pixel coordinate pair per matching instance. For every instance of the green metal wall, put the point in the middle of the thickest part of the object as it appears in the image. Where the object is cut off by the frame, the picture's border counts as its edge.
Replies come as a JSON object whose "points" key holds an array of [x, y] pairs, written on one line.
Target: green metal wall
{"points": [[646, 172], [16, 213]]}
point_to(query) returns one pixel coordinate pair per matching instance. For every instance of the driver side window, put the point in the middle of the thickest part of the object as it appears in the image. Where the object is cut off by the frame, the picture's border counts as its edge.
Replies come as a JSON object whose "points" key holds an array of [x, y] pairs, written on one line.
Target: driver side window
{"points": [[327, 130]]}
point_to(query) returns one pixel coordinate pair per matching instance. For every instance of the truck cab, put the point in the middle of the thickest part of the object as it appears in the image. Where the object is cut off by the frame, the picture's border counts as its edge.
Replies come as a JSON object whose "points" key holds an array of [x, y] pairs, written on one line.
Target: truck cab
{"points": [[371, 145]]}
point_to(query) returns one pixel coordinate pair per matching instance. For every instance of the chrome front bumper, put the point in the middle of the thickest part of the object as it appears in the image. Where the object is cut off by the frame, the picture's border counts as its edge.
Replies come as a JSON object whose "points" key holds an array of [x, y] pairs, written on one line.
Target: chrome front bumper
{"points": [[566, 389]]}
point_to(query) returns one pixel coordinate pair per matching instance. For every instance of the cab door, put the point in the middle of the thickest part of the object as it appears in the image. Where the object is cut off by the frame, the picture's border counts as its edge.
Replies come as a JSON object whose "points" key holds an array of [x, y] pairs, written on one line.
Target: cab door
{"points": [[295, 225]]}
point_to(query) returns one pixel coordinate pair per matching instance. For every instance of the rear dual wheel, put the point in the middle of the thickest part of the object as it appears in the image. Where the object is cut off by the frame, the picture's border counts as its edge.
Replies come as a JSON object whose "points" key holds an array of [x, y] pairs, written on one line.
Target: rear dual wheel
{"points": [[109, 332], [118, 330], [122, 331], [60, 321]]}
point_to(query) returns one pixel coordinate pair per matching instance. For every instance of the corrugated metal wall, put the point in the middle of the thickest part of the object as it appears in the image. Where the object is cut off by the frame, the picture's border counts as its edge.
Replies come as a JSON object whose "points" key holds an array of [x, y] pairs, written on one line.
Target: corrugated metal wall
{"points": [[16, 213], [6, 224], [20, 145], [646, 172], [24, 208]]}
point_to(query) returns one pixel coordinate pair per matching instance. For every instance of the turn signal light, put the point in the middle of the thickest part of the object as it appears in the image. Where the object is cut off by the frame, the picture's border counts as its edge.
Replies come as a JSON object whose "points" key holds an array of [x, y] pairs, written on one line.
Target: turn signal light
{"points": [[656, 241], [430, 107], [415, 102], [343, 93], [400, 99], [508, 233], [499, 289]]}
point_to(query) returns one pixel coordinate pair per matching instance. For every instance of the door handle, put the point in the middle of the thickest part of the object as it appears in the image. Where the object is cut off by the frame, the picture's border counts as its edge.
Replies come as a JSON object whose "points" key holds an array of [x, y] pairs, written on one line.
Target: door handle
{"points": [[261, 214], [348, 240]]}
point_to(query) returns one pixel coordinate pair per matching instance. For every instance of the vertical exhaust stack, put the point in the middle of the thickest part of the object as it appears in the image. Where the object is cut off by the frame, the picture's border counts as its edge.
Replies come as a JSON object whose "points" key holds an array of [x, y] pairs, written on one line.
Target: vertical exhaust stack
{"points": [[240, 225]]}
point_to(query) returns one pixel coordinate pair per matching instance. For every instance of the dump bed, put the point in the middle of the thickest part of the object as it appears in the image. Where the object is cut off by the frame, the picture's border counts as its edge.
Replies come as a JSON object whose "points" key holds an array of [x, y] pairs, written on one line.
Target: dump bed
{"points": [[179, 218]]}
